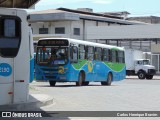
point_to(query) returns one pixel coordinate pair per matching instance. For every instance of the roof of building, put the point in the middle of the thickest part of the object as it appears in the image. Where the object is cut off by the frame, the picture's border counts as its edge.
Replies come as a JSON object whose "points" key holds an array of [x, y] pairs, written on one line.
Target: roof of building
{"points": [[89, 13], [144, 17], [47, 11], [17, 3], [123, 14], [69, 14]]}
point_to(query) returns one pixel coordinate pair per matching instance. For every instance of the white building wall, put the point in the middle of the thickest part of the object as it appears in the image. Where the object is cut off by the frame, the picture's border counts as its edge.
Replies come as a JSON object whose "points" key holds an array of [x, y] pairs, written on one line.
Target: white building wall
{"points": [[51, 29], [155, 48], [102, 24], [51, 26], [114, 24], [69, 28], [77, 24], [88, 24], [36, 26], [123, 32], [65, 24]]}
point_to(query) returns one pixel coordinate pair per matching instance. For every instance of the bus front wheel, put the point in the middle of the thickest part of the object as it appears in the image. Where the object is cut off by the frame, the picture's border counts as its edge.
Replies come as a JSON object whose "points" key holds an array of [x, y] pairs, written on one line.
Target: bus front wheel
{"points": [[109, 80], [85, 83], [52, 83]]}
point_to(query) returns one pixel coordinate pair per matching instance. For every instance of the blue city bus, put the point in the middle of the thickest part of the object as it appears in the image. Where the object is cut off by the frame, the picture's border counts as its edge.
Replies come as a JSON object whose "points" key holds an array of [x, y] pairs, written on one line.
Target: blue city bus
{"points": [[71, 60]]}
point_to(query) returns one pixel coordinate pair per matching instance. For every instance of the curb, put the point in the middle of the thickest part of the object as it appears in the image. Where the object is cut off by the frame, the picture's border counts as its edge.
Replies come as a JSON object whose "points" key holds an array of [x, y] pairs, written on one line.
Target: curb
{"points": [[33, 104]]}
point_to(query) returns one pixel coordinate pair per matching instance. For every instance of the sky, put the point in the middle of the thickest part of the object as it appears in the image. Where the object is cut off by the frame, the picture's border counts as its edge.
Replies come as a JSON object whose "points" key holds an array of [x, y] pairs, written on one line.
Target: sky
{"points": [[135, 7]]}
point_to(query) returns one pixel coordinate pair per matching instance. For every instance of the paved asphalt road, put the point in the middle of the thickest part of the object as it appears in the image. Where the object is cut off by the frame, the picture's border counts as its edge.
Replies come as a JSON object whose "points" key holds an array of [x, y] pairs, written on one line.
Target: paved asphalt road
{"points": [[130, 94]]}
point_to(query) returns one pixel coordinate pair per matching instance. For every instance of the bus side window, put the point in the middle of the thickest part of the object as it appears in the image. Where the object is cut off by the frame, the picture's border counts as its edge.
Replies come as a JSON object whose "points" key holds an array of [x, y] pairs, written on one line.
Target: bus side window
{"points": [[105, 55], [98, 53], [81, 52], [74, 54], [109, 55], [90, 53], [121, 56], [113, 55], [117, 56]]}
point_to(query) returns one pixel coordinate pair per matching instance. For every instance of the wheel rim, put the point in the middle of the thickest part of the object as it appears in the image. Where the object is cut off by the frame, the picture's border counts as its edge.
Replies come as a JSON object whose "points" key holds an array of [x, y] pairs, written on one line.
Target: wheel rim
{"points": [[141, 75]]}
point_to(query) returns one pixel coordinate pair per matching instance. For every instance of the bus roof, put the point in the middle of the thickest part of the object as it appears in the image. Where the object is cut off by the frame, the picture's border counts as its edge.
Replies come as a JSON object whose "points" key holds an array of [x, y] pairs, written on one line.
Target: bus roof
{"points": [[82, 42]]}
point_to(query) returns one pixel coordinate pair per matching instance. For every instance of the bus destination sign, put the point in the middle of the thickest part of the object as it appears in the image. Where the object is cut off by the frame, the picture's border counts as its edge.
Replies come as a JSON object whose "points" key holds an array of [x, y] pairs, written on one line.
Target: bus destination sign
{"points": [[53, 43]]}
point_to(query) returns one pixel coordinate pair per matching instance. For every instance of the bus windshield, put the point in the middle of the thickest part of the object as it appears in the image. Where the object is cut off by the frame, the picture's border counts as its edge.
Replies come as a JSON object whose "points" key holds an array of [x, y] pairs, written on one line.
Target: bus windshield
{"points": [[52, 56], [10, 34]]}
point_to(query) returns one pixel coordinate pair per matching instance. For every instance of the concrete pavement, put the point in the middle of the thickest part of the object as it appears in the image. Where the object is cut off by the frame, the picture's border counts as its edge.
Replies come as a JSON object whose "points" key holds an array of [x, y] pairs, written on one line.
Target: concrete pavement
{"points": [[34, 103]]}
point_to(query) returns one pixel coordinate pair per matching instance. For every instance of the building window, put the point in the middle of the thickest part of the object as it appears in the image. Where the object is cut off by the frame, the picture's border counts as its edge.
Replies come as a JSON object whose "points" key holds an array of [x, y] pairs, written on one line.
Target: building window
{"points": [[60, 30], [76, 31], [43, 30]]}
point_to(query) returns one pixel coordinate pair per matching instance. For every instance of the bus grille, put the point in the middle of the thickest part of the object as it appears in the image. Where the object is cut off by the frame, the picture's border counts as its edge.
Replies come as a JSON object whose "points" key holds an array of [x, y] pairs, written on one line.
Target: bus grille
{"points": [[50, 73]]}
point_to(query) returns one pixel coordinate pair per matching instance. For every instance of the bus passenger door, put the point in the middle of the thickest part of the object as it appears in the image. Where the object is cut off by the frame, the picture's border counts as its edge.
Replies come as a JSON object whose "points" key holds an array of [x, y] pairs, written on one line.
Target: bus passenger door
{"points": [[74, 62], [74, 54]]}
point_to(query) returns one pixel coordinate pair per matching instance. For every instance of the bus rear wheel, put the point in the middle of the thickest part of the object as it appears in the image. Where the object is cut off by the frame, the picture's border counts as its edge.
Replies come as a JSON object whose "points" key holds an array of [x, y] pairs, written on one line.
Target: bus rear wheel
{"points": [[52, 83], [80, 79], [109, 80]]}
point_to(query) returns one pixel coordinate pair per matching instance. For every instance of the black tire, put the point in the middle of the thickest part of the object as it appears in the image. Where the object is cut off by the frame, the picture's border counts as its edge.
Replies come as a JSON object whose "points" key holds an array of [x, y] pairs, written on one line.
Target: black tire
{"points": [[149, 77], [109, 80], [80, 79], [52, 83], [85, 83], [141, 75]]}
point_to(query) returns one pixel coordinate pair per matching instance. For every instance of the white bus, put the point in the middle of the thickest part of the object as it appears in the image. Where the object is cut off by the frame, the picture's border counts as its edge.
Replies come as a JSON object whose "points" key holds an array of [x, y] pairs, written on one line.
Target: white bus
{"points": [[16, 56]]}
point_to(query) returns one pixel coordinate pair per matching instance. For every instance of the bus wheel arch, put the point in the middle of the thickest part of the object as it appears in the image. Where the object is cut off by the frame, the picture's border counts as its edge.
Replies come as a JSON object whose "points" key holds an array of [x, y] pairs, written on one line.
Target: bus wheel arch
{"points": [[109, 79]]}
